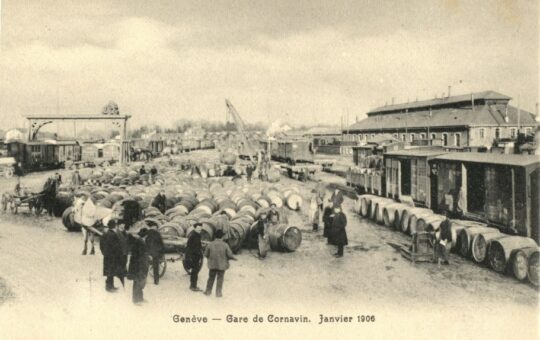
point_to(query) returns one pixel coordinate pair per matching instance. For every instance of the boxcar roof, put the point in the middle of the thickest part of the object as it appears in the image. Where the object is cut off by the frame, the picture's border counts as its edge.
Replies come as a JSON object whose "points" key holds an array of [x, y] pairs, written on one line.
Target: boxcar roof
{"points": [[417, 152], [490, 158]]}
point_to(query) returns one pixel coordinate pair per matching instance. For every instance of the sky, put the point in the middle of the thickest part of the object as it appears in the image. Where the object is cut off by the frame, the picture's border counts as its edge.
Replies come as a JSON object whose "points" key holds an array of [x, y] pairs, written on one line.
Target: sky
{"points": [[302, 62]]}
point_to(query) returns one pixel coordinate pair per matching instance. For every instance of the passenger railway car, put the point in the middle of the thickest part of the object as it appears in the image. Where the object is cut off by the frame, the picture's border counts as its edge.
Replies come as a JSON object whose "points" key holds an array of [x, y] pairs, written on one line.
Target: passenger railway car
{"points": [[44, 155]]}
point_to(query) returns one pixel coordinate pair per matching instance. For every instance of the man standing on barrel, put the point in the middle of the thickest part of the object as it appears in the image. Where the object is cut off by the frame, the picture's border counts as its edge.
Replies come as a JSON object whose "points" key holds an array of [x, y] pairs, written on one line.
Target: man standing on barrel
{"points": [[194, 256]]}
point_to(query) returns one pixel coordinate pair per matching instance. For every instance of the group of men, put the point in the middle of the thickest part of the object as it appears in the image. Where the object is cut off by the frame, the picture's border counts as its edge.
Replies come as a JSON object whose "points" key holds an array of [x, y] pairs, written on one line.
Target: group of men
{"points": [[333, 218]]}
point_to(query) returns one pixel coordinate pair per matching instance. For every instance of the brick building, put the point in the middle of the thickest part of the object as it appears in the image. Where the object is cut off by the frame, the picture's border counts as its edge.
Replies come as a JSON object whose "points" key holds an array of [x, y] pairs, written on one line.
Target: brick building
{"points": [[474, 120]]}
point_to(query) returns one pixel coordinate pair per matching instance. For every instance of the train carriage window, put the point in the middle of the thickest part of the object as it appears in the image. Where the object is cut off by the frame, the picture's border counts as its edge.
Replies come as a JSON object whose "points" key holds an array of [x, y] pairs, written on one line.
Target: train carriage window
{"points": [[497, 133], [445, 139]]}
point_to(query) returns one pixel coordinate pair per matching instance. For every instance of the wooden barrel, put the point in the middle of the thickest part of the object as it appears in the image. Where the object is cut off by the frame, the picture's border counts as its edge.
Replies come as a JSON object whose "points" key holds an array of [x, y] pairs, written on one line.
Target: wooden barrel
{"points": [[294, 201], [406, 217], [237, 234], [534, 264], [430, 223], [500, 250], [68, 220], [366, 205], [379, 209], [520, 262], [389, 213], [415, 225], [480, 244], [466, 236], [284, 237]]}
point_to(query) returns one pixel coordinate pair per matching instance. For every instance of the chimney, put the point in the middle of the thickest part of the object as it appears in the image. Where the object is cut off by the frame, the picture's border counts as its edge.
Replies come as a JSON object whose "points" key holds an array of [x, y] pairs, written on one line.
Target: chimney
{"points": [[449, 90], [392, 100], [506, 114]]}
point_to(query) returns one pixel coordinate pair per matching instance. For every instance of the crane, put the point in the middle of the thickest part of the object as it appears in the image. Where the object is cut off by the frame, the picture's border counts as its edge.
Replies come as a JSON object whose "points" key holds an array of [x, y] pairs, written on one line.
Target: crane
{"points": [[241, 128]]}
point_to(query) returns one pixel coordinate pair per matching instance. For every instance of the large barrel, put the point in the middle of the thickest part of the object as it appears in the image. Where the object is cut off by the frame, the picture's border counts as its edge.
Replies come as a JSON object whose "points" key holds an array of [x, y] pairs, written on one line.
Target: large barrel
{"points": [[534, 264], [365, 209], [284, 237], [406, 217], [68, 221], [389, 213], [480, 244], [466, 236], [379, 209], [294, 201], [431, 222], [500, 250], [520, 262], [417, 221]]}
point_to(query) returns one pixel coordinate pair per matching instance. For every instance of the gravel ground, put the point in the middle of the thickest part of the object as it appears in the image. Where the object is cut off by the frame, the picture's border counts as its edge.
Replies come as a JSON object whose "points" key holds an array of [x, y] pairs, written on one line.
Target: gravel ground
{"points": [[53, 290]]}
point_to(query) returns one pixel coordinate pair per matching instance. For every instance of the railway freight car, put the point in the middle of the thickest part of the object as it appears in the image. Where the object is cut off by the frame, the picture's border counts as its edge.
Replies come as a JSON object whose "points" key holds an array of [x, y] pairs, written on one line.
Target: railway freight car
{"points": [[44, 155], [294, 151], [501, 190]]}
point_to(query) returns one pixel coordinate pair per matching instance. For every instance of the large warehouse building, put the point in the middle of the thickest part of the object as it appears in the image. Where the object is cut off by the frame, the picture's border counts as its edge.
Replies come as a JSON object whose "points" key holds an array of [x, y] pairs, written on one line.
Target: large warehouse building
{"points": [[474, 120]]}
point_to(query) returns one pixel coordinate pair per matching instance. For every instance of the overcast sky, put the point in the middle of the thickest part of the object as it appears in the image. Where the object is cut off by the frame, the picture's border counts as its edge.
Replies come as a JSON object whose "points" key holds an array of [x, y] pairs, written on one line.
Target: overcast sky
{"points": [[299, 61]]}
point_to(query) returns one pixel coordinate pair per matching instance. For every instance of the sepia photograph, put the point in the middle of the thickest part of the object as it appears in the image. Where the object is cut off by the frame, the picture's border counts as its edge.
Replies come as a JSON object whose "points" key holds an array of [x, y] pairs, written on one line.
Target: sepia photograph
{"points": [[248, 169]]}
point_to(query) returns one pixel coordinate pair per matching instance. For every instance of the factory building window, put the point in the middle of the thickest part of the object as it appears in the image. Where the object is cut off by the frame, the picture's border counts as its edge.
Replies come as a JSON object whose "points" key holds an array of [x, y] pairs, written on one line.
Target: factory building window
{"points": [[372, 135], [433, 136], [482, 133], [513, 132], [413, 137], [445, 139], [422, 136], [395, 135], [497, 133], [457, 139], [403, 138]]}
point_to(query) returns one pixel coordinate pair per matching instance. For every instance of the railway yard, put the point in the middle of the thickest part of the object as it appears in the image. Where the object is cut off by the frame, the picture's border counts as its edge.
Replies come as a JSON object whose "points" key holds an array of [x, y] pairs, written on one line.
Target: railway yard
{"points": [[41, 265]]}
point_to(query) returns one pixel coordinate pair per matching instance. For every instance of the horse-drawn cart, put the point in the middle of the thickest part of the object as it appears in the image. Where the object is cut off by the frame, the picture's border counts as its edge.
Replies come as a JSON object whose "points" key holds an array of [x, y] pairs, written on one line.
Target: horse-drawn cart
{"points": [[34, 202], [176, 248]]}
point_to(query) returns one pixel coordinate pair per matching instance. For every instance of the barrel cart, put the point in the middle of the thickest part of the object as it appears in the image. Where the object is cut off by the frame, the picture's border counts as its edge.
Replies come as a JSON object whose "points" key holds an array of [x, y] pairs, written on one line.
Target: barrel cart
{"points": [[175, 248], [34, 202]]}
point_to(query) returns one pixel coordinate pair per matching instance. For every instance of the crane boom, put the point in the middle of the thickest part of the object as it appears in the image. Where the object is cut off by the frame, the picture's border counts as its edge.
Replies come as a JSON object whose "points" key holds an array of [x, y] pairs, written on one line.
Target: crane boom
{"points": [[241, 128]]}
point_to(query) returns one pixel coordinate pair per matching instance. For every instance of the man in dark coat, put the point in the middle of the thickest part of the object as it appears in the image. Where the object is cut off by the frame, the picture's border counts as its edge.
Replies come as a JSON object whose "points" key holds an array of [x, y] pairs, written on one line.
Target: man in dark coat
{"points": [[339, 234], [160, 202], [249, 171], [443, 244], [138, 265], [263, 242], [155, 247], [327, 221], [153, 171], [50, 189], [142, 170], [123, 241], [194, 255], [111, 248], [273, 214]]}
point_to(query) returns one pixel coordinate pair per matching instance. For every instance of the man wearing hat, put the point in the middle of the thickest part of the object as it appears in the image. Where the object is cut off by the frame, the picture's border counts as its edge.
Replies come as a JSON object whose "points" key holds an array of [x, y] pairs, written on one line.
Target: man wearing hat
{"points": [[111, 248], [138, 265], [160, 201], [338, 232], [262, 235], [337, 198], [218, 253], [194, 255], [156, 248], [273, 214]]}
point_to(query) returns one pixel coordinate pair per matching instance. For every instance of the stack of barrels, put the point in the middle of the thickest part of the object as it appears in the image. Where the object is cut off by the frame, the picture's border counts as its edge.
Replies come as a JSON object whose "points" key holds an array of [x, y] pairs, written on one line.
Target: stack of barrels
{"points": [[485, 245]]}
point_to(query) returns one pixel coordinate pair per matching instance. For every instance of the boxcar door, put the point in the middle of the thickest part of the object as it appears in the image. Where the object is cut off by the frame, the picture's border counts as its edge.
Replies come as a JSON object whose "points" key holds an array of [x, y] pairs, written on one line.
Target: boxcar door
{"points": [[535, 205]]}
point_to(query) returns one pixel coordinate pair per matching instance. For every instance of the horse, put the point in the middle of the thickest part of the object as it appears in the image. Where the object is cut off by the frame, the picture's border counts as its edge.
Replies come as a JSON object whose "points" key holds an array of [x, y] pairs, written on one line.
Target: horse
{"points": [[88, 235]]}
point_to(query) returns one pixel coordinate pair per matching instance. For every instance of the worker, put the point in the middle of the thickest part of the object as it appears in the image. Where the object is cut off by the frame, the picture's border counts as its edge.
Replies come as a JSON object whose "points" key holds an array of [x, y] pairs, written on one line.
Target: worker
{"points": [[110, 247], [249, 171], [194, 256], [160, 201], [263, 241], [58, 178], [142, 170], [222, 223], [337, 198], [314, 210], [138, 265], [338, 232], [50, 190], [19, 172], [76, 179], [156, 248], [327, 221], [273, 214], [444, 243], [218, 253], [123, 241]]}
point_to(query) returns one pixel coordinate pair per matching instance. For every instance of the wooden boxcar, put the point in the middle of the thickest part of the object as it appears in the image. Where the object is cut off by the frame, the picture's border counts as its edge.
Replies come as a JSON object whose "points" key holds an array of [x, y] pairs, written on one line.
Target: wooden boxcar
{"points": [[501, 190], [91, 152], [297, 151], [407, 174], [42, 155], [111, 152]]}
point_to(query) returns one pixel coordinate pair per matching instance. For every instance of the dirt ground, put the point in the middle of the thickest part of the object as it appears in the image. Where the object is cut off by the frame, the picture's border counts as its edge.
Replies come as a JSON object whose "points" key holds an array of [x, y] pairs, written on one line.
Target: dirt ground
{"points": [[47, 287]]}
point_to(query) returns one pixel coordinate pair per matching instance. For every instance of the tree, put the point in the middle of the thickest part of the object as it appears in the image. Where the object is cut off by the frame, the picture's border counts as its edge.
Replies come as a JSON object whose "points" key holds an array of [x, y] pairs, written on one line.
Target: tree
{"points": [[111, 109]]}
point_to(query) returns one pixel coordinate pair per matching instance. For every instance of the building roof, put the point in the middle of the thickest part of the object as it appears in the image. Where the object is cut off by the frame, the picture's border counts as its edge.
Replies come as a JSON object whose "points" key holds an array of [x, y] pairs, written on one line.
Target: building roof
{"points": [[490, 158], [441, 101], [418, 152], [323, 131], [481, 115]]}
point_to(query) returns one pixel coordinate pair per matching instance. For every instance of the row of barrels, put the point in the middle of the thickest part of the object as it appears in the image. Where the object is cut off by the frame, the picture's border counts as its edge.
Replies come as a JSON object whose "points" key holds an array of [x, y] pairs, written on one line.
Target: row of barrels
{"points": [[516, 255]]}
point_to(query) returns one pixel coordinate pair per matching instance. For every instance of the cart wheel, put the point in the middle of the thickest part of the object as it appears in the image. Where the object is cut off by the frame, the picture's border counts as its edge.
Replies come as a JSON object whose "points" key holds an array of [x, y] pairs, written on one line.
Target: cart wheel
{"points": [[162, 267], [4, 203], [8, 173]]}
